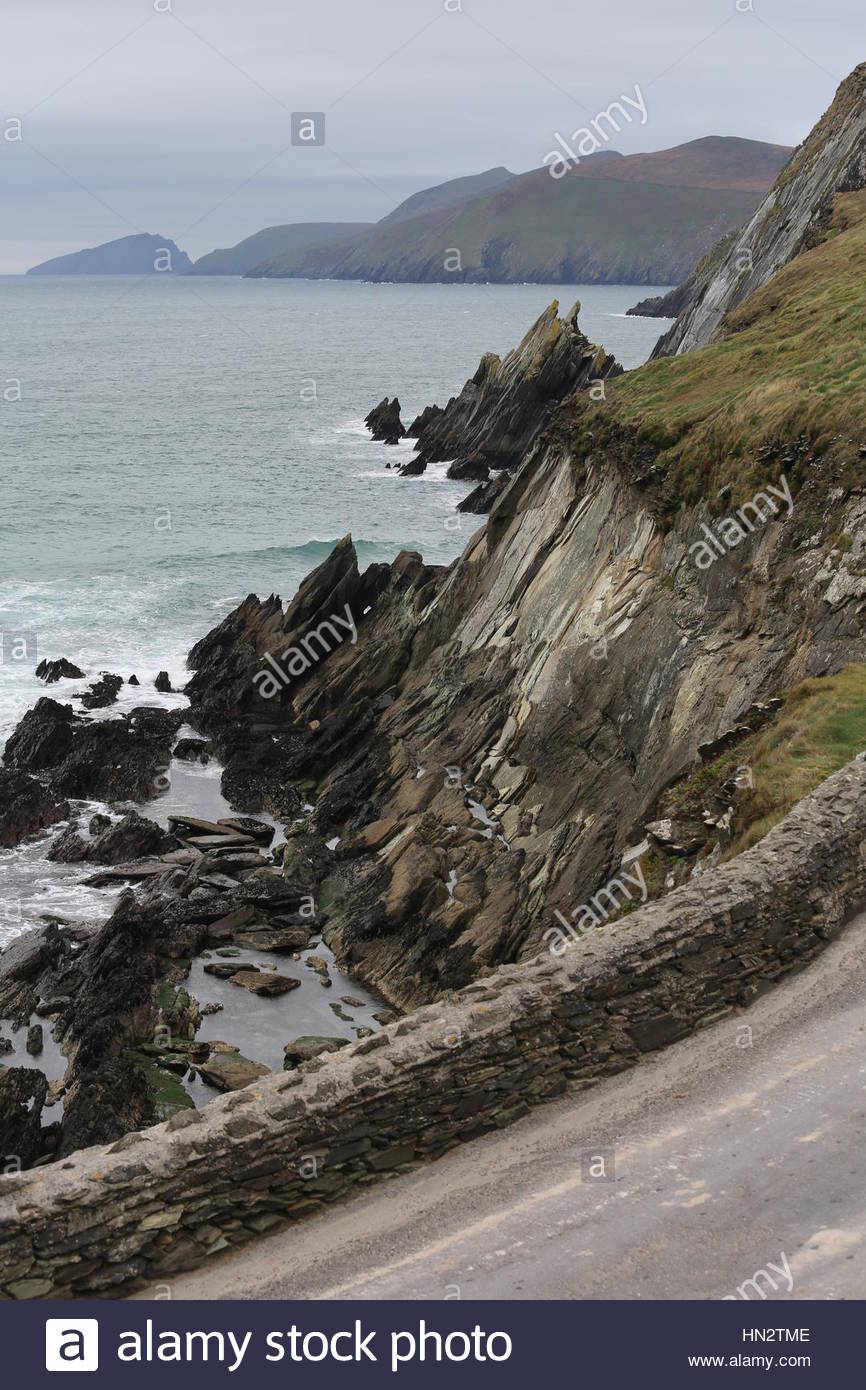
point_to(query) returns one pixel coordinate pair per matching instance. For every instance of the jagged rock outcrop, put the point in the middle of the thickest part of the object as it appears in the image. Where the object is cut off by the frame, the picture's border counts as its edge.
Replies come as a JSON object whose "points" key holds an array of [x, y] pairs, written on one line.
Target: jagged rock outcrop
{"points": [[670, 305], [108, 759], [499, 733], [26, 806], [384, 422], [61, 669], [792, 217], [507, 403]]}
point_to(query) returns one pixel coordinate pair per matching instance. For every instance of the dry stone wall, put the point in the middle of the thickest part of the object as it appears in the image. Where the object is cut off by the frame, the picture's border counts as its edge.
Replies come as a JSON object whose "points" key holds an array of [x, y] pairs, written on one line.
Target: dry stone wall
{"points": [[110, 1219]]}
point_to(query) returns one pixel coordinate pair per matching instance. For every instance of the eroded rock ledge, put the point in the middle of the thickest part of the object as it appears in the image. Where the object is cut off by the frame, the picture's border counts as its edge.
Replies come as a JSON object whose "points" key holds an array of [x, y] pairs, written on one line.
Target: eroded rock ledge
{"points": [[109, 1220]]}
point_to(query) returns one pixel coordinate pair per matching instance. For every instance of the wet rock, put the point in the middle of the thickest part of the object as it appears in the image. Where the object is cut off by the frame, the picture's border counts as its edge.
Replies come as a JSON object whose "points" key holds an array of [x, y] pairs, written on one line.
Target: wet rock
{"points": [[102, 692], [481, 499], [281, 940], [6, 1046], [318, 964], [99, 822], [223, 970], [229, 1071], [416, 466], [260, 830], [163, 683], [43, 736], [119, 759], [23, 1091], [469, 470], [61, 669], [25, 807], [269, 985], [133, 680], [191, 750], [120, 842], [34, 1039], [308, 1046], [384, 422]]}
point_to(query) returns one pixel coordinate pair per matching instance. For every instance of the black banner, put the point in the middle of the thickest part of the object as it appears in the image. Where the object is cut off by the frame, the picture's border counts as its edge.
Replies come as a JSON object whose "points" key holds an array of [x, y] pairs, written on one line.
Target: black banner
{"points": [[430, 1344]]}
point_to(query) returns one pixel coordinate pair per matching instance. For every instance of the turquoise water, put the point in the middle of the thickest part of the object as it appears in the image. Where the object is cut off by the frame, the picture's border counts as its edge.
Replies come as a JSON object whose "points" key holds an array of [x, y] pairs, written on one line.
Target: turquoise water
{"points": [[180, 443]]}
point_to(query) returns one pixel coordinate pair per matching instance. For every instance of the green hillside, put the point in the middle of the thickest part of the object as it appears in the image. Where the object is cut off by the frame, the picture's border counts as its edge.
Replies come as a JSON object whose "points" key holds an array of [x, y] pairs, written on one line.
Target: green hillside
{"points": [[791, 371], [639, 219], [274, 241]]}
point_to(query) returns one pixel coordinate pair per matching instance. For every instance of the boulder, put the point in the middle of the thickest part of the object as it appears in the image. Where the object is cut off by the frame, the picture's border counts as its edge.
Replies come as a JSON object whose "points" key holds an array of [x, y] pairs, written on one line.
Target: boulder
{"points": [[102, 692], [269, 985], [22, 1095], [384, 422], [61, 669], [192, 750], [229, 1071], [25, 807], [310, 1045], [163, 683], [43, 736], [121, 842]]}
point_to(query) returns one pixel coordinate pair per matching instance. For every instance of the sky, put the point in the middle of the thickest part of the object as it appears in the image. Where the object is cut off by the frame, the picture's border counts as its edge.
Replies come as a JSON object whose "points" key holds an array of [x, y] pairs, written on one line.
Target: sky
{"points": [[175, 116]]}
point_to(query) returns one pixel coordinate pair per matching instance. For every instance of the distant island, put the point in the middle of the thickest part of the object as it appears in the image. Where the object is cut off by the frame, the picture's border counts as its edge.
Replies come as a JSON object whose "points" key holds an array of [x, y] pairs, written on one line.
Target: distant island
{"points": [[614, 219], [143, 254]]}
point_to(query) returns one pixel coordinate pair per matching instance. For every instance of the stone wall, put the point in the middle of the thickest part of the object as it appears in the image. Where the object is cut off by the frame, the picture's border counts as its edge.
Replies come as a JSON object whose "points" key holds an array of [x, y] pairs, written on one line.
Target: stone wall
{"points": [[110, 1219]]}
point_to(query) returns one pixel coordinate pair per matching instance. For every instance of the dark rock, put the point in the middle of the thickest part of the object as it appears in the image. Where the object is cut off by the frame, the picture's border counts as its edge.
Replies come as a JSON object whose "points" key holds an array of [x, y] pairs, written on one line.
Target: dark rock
{"points": [[482, 498], [414, 468], [102, 692], [43, 736], [223, 970], [25, 807], [133, 680], [98, 823], [162, 683], [34, 1039], [384, 422], [120, 842], [119, 759], [22, 1095], [469, 470], [311, 1045], [265, 983], [51, 671], [260, 830], [508, 402], [192, 750]]}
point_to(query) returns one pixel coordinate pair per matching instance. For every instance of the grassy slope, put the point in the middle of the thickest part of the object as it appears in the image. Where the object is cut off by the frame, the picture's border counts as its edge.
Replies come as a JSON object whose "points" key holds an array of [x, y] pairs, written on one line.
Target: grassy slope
{"points": [[821, 728], [274, 241], [640, 219], [793, 366]]}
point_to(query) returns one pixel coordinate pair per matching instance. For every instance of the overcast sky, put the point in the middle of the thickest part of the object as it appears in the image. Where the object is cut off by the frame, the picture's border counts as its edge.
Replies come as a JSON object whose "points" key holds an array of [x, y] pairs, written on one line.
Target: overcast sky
{"points": [[134, 119]]}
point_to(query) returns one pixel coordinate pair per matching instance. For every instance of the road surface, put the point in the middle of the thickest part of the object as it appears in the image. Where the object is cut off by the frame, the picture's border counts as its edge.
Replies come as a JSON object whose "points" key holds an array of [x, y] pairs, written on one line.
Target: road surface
{"points": [[735, 1156]]}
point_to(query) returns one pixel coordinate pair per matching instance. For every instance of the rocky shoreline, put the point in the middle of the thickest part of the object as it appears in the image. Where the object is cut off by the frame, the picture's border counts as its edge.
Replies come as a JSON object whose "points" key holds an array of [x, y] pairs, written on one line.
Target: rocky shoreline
{"points": [[114, 1035], [484, 433]]}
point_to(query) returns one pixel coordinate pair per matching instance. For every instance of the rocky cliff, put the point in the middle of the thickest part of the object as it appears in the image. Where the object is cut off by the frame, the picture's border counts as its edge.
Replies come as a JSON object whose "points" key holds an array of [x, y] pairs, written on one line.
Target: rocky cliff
{"points": [[496, 736], [507, 403], [792, 217]]}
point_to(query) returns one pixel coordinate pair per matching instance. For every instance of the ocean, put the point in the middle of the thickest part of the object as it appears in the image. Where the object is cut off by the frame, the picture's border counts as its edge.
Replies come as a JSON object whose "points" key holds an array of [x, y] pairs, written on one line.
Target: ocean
{"points": [[173, 444]]}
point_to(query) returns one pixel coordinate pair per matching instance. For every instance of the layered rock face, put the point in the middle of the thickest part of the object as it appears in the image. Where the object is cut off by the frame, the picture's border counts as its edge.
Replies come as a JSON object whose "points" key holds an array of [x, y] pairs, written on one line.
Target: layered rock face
{"points": [[504, 407], [790, 219], [494, 740]]}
